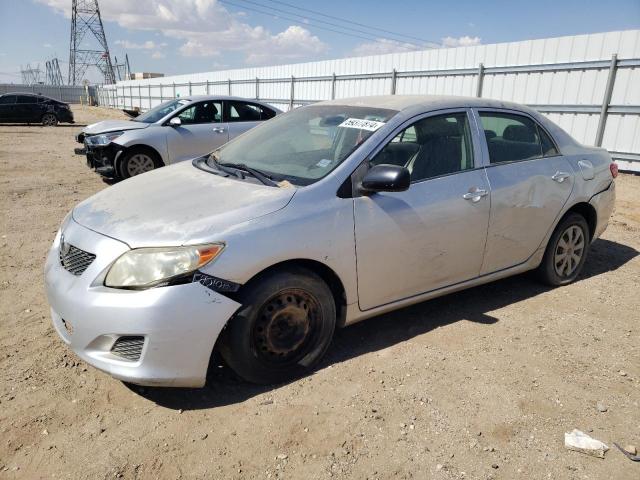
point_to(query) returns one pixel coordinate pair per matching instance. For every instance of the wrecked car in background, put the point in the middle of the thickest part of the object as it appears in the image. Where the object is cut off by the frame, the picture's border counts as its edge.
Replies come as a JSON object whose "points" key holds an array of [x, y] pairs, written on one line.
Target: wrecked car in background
{"points": [[180, 129]]}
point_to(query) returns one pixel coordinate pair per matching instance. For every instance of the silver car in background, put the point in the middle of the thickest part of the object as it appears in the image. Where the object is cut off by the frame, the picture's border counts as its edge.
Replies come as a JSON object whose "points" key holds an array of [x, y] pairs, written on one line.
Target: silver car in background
{"points": [[319, 218], [176, 130]]}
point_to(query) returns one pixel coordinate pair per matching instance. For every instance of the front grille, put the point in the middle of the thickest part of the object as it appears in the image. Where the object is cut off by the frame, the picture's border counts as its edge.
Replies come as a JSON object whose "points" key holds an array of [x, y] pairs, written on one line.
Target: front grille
{"points": [[129, 347], [74, 260]]}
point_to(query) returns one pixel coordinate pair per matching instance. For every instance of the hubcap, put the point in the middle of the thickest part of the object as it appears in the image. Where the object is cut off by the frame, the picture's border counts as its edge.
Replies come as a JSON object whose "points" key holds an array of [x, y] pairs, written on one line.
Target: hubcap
{"points": [[286, 326], [49, 120], [569, 251], [139, 163]]}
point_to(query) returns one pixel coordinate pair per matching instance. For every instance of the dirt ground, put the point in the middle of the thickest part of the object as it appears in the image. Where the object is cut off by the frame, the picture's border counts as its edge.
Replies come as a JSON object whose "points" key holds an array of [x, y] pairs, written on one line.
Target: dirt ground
{"points": [[480, 384]]}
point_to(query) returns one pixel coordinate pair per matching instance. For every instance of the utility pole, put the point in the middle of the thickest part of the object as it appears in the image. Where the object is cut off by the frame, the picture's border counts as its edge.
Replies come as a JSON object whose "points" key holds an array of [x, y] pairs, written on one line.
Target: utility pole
{"points": [[87, 22]]}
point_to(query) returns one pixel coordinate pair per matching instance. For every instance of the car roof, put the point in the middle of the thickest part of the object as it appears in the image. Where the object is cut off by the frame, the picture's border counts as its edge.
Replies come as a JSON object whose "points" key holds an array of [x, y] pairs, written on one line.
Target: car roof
{"points": [[30, 94], [428, 102]]}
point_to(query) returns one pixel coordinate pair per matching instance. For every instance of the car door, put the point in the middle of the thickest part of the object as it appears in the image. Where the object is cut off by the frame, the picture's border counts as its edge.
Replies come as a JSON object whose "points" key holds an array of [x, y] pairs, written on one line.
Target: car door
{"points": [[243, 116], [530, 183], [432, 235], [26, 109], [201, 131], [7, 107]]}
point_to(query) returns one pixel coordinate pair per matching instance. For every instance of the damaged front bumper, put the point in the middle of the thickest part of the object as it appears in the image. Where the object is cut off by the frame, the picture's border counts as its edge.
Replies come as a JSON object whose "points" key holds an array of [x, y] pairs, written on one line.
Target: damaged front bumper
{"points": [[161, 336], [101, 158]]}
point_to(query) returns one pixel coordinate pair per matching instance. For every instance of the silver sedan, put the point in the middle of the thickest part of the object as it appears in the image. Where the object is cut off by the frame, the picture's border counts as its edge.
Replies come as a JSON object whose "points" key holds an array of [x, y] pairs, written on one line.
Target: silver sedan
{"points": [[176, 130], [322, 217]]}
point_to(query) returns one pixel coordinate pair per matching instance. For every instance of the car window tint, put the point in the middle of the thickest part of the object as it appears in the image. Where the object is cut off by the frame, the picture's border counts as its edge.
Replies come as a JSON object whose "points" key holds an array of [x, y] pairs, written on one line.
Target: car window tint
{"points": [[26, 99], [6, 99], [548, 147], [431, 147], [203, 112], [510, 137], [244, 112]]}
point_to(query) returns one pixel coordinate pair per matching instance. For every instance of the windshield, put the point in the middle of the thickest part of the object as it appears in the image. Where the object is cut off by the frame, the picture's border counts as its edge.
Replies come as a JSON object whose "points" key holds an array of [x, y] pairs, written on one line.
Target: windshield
{"points": [[161, 111], [305, 144]]}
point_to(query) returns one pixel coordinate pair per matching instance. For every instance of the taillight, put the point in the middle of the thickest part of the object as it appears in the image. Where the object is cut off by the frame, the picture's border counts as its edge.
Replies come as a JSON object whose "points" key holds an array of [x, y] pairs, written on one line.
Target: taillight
{"points": [[614, 169]]}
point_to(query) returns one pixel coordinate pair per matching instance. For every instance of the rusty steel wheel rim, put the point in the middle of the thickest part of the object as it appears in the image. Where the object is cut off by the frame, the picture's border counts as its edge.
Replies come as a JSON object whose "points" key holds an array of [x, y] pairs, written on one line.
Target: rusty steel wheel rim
{"points": [[286, 327]]}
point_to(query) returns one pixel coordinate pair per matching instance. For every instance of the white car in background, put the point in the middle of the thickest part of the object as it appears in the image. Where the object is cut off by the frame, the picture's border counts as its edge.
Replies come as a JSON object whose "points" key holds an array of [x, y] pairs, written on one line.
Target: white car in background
{"points": [[176, 130]]}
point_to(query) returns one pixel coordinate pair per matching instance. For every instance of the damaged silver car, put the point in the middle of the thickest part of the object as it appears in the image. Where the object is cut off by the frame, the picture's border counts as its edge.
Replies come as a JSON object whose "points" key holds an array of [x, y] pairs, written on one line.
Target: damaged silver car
{"points": [[319, 218], [176, 130]]}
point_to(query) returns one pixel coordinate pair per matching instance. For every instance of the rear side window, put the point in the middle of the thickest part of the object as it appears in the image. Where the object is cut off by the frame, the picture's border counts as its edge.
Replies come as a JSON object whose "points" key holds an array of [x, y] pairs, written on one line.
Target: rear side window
{"points": [[6, 99], [247, 112], [511, 138]]}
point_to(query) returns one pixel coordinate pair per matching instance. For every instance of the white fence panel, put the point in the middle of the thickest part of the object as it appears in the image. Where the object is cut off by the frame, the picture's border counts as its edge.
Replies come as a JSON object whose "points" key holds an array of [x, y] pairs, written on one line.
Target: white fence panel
{"points": [[566, 78]]}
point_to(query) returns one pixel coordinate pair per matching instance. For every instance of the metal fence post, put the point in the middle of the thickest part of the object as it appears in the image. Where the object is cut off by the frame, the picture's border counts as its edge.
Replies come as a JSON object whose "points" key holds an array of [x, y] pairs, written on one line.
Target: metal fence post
{"points": [[189, 87], [174, 89], [257, 88], [480, 80], [291, 98], [149, 96], [393, 81], [161, 98], [139, 96], [229, 87], [207, 87], [611, 80], [333, 86]]}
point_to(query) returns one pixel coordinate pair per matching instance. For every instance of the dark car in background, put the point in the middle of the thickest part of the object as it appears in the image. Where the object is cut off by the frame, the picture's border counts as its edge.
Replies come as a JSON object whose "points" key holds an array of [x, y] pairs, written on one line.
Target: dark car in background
{"points": [[32, 108]]}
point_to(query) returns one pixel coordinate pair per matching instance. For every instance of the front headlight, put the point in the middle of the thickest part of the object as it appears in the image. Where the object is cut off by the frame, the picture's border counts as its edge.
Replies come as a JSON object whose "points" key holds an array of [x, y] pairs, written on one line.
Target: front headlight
{"points": [[150, 267], [103, 138]]}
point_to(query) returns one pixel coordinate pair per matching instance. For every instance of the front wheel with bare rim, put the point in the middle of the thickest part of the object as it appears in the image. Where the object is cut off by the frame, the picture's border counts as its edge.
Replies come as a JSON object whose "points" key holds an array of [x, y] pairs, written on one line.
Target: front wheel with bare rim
{"points": [[283, 328], [566, 252], [49, 120]]}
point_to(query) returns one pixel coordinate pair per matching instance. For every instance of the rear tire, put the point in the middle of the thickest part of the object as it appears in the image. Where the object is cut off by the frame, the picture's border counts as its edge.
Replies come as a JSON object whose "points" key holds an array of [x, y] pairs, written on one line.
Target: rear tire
{"points": [[137, 161], [49, 120], [282, 330], [566, 251]]}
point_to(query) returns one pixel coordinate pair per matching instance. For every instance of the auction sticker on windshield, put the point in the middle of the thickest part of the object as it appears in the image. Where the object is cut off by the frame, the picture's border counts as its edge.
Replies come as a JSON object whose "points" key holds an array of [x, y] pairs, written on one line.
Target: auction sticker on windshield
{"points": [[361, 124]]}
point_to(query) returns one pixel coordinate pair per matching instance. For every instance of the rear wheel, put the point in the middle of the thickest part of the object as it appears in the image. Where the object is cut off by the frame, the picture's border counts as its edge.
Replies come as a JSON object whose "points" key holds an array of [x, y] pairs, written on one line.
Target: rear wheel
{"points": [[138, 161], [566, 252], [282, 330], [49, 120]]}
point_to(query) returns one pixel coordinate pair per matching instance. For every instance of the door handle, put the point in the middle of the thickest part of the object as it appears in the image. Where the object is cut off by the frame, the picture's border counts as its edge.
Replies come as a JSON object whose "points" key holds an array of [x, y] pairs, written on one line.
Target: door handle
{"points": [[475, 194], [218, 129], [560, 176]]}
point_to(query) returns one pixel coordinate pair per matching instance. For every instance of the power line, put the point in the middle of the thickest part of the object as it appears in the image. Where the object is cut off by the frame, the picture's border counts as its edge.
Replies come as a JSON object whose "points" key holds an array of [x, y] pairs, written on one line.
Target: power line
{"points": [[298, 22], [433, 44], [307, 18]]}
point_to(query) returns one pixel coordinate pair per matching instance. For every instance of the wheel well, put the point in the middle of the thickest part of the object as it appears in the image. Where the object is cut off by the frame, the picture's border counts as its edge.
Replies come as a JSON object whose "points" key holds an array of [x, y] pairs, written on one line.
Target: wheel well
{"points": [[143, 147], [325, 273], [589, 214]]}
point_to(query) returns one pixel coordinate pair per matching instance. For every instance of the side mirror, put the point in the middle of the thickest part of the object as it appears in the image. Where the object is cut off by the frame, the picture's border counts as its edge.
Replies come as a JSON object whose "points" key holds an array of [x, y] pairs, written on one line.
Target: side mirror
{"points": [[386, 178], [175, 122]]}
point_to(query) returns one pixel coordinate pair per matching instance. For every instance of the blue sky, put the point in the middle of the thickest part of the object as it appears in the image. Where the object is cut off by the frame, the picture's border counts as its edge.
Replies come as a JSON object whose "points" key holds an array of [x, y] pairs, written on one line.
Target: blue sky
{"points": [[182, 36]]}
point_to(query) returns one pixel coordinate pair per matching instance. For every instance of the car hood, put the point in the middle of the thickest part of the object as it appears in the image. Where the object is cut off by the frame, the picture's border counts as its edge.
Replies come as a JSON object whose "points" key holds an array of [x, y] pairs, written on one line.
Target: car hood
{"points": [[177, 205], [113, 126]]}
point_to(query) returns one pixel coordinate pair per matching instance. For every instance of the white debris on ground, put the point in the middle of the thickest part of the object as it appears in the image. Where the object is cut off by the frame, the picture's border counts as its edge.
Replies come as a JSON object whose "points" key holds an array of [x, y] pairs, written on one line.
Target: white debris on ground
{"points": [[581, 442]]}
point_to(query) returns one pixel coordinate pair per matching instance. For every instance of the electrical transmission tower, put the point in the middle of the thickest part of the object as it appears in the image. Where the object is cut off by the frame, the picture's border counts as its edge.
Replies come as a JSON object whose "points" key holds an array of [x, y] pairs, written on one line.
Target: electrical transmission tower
{"points": [[53, 73], [123, 70], [30, 75], [86, 21]]}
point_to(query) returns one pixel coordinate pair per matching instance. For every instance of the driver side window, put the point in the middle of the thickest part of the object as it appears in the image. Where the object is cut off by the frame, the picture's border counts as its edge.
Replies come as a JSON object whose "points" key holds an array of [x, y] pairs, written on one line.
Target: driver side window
{"points": [[203, 112], [431, 147]]}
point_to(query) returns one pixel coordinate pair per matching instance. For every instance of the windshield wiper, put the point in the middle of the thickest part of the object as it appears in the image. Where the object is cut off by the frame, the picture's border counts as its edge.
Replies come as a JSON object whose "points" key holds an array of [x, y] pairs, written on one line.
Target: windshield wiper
{"points": [[263, 177]]}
